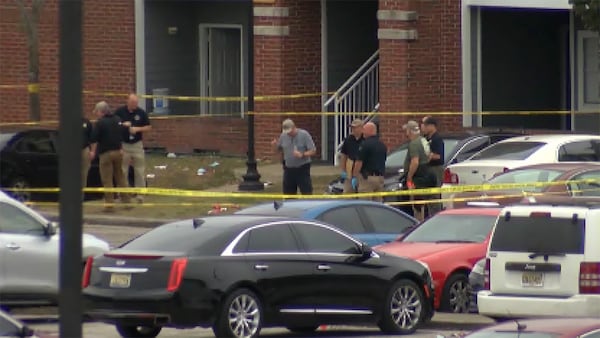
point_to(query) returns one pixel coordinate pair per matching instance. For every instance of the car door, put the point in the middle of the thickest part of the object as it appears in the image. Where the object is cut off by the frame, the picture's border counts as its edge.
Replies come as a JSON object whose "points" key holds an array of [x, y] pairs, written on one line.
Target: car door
{"points": [[387, 223], [581, 187], [29, 264], [348, 219], [37, 150], [281, 270], [345, 283]]}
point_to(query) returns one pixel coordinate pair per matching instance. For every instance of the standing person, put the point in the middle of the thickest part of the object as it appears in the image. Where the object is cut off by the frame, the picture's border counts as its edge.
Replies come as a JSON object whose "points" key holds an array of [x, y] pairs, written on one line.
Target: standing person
{"points": [[436, 159], [86, 153], [136, 122], [349, 153], [107, 143], [416, 166], [297, 147], [369, 167]]}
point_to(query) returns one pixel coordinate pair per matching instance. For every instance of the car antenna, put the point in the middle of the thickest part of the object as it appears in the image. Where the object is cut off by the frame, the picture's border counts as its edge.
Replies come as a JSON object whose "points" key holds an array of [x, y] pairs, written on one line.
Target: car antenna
{"points": [[520, 326], [277, 205], [197, 222]]}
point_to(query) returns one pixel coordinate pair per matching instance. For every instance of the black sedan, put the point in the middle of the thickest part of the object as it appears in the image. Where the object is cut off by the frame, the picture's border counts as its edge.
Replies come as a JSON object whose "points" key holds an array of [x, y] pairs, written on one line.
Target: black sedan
{"points": [[240, 273]]}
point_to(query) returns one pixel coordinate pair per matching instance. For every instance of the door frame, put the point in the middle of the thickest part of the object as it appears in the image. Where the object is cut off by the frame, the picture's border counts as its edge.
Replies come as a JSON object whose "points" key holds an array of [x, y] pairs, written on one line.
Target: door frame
{"points": [[203, 40]]}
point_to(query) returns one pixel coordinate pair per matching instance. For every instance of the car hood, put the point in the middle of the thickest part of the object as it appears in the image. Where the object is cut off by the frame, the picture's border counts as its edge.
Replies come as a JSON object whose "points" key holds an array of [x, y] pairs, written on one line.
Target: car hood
{"points": [[419, 250]]}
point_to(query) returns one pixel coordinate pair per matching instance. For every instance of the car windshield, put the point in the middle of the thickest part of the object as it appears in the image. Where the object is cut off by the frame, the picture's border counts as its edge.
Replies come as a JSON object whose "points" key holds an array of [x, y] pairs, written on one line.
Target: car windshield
{"points": [[396, 158], [445, 228], [512, 334], [527, 176], [515, 151]]}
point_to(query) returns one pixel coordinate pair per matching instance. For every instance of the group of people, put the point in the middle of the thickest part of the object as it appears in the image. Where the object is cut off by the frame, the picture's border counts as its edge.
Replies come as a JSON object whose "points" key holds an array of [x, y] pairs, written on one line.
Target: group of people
{"points": [[116, 139], [362, 162]]}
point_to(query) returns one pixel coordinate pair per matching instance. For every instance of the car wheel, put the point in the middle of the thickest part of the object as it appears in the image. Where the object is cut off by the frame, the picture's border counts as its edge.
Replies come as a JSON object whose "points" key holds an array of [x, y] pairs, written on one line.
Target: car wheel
{"points": [[240, 316], [133, 331], [404, 308], [455, 297], [303, 329], [20, 183]]}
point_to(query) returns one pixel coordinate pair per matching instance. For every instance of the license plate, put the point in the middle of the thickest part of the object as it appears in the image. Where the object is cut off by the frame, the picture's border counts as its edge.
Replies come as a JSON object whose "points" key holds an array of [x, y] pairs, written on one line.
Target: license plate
{"points": [[532, 279], [120, 280]]}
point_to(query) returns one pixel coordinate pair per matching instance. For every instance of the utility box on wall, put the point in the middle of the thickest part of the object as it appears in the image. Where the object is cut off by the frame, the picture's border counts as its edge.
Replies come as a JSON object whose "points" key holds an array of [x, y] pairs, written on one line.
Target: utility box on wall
{"points": [[160, 102]]}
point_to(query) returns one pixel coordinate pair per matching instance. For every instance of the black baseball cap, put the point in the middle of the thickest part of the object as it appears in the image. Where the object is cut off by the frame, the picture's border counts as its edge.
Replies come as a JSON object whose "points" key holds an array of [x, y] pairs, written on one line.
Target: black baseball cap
{"points": [[430, 120]]}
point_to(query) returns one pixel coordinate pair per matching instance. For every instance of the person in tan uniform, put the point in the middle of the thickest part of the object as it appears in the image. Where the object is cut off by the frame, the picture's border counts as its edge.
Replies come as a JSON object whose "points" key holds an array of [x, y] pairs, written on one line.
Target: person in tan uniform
{"points": [[349, 152]]}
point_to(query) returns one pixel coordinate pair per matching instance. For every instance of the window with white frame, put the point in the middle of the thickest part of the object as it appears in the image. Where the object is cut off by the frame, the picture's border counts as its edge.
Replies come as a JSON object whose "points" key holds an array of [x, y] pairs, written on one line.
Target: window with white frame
{"points": [[589, 72]]}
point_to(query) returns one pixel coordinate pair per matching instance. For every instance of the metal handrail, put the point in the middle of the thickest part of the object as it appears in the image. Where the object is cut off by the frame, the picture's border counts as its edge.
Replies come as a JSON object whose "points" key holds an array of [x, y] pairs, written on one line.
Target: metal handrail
{"points": [[352, 79]]}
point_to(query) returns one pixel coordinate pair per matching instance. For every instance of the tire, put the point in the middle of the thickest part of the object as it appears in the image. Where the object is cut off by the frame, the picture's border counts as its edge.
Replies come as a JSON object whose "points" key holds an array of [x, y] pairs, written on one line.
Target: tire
{"points": [[456, 297], [404, 310], [20, 183], [240, 316], [303, 329], [132, 331]]}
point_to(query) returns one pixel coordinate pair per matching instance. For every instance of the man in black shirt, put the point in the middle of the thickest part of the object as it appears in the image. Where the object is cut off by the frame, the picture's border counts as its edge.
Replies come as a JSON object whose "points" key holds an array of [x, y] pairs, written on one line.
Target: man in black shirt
{"points": [[349, 153], [106, 142], [136, 122], [369, 167], [86, 151], [436, 159]]}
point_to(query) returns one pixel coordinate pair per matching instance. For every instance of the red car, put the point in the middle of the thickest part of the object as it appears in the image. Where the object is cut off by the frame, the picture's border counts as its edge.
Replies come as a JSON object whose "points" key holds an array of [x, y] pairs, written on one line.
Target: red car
{"points": [[543, 328], [450, 242]]}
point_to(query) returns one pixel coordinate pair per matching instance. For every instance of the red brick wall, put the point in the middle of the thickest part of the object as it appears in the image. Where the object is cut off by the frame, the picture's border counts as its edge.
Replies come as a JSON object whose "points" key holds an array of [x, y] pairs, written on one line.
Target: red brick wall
{"points": [[423, 75]]}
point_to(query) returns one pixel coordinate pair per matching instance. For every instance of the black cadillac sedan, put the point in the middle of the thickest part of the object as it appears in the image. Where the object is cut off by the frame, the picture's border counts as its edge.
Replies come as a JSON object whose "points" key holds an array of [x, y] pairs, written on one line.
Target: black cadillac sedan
{"points": [[240, 273]]}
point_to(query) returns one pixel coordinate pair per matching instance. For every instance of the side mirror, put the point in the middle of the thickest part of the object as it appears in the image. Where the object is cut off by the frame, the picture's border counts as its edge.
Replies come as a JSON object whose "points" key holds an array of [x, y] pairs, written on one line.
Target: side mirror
{"points": [[26, 331], [50, 229]]}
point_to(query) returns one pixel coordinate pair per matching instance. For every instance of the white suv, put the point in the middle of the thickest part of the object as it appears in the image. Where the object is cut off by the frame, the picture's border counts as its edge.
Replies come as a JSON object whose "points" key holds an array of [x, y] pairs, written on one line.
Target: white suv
{"points": [[543, 260]]}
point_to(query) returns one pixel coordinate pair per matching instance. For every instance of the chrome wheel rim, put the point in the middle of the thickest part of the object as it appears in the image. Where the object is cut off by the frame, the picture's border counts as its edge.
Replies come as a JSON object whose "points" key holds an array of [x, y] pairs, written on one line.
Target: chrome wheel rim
{"points": [[21, 196], [244, 316], [459, 297], [406, 307]]}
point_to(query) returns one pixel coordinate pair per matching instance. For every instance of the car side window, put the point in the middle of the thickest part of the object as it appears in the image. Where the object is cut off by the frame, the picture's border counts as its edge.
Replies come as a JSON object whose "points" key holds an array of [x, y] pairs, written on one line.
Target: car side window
{"points": [[272, 238], [386, 221], [472, 147], [578, 151], [15, 221], [36, 142], [317, 239], [588, 189], [345, 218]]}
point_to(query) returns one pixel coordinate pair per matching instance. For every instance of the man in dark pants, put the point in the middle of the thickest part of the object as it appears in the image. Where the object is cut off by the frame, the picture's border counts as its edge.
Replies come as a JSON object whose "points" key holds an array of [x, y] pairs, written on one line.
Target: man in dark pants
{"points": [[297, 146], [436, 159], [349, 152], [106, 141], [369, 167], [416, 166]]}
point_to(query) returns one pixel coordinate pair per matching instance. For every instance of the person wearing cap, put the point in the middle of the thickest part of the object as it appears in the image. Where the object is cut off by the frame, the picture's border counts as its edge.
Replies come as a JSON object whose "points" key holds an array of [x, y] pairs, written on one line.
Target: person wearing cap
{"points": [[369, 166], [297, 147], [416, 166], [436, 159], [349, 152]]}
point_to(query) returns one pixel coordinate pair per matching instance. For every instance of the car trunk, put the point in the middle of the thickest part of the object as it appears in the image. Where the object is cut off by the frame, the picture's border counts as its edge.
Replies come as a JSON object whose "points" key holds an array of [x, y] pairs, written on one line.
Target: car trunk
{"points": [[538, 252]]}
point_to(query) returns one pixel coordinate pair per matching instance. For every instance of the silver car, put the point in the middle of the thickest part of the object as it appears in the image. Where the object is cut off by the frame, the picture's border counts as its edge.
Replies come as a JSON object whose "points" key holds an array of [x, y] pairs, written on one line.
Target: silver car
{"points": [[29, 255]]}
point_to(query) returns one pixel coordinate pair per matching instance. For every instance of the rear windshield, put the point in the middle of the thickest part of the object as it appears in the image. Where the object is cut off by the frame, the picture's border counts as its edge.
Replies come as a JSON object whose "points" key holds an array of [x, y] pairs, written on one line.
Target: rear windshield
{"points": [[508, 151], [512, 334], [539, 234], [527, 176]]}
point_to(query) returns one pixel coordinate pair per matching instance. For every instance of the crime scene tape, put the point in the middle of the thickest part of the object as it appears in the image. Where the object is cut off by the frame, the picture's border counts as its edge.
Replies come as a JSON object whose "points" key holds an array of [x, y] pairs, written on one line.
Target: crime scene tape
{"points": [[213, 194]]}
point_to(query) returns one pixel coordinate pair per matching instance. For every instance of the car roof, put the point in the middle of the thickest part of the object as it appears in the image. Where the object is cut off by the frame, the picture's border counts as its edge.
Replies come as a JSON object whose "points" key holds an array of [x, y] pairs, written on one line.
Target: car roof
{"points": [[485, 211], [553, 325], [316, 203], [550, 138], [561, 166], [231, 222]]}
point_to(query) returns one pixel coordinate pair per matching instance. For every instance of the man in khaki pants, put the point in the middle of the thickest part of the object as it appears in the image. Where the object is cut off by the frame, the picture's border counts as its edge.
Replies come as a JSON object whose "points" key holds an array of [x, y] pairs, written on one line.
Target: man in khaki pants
{"points": [[369, 167], [349, 152], [136, 121]]}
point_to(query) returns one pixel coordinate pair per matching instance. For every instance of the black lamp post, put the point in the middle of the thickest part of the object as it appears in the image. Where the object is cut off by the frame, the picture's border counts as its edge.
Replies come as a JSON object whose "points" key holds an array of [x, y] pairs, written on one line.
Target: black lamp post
{"points": [[252, 177]]}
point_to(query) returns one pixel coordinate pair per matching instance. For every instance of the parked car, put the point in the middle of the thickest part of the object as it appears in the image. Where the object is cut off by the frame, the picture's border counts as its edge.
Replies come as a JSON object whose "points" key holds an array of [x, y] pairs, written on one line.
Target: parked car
{"points": [[12, 328], [239, 273], [548, 172], [29, 159], [450, 243], [29, 255], [476, 283], [371, 222], [543, 260], [542, 328]]}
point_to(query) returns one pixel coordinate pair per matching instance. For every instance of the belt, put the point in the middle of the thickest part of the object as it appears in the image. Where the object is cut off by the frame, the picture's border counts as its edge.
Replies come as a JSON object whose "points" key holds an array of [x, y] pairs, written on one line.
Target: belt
{"points": [[374, 174]]}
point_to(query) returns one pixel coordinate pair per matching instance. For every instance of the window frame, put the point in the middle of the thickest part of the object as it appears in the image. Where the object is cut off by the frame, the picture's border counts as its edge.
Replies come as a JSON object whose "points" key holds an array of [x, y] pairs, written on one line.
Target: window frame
{"points": [[357, 244], [582, 105], [248, 239]]}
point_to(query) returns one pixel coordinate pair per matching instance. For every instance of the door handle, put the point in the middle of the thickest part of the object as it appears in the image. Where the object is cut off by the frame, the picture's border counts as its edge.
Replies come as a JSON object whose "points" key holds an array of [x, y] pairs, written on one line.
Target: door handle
{"points": [[323, 267], [261, 267], [13, 246]]}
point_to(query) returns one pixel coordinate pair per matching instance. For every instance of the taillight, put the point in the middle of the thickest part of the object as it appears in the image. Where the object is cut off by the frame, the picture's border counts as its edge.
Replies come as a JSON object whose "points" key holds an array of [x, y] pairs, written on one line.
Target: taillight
{"points": [[589, 277], [87, 272], [450, 177], [540, 214], [505, 170], [486, 275], [176, 275]]}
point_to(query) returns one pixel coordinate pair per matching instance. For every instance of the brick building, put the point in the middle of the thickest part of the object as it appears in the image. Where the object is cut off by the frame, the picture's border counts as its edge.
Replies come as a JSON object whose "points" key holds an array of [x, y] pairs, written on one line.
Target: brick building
{"points": [[397, 55]]}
